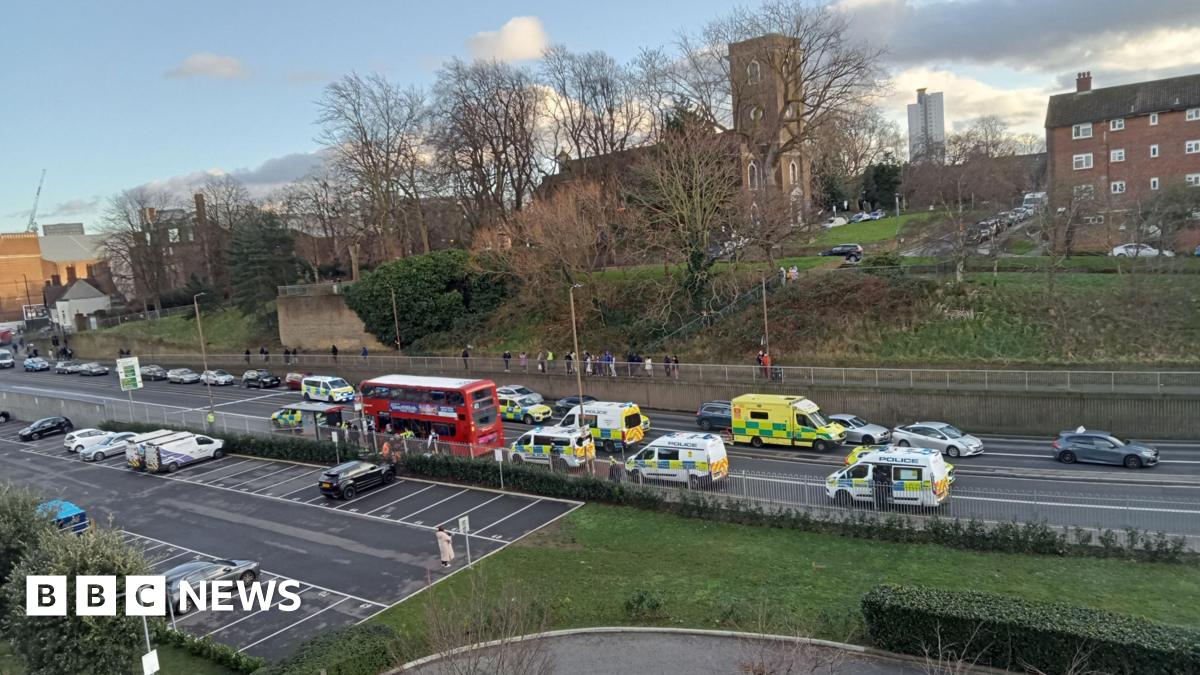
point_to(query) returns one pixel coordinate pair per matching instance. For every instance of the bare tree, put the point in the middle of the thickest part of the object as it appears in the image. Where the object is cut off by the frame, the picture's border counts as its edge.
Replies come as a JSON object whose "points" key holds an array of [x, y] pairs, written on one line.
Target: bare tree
{"points": [[324, 205], [135, 248], [595, 104], [856, 138], [770, 649], [1029, 143], [226, 203], [768, 217]]}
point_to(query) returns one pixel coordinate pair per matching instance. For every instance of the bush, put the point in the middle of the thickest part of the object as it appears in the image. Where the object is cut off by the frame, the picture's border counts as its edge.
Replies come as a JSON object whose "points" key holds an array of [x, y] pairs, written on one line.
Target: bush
{"points": [[644, 604], [363, 649], [1014, 634], [205, 648]]}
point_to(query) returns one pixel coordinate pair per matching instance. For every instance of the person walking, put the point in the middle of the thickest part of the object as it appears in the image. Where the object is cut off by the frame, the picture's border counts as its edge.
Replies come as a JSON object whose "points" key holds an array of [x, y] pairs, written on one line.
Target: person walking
{"points": [[675, 366], [667, 365], [570, 359], [782, 276], [549, 360], [287, 355], [587, 363], [247, 355], [649, 367], [883, 486], [615, 470], [333, 352], [364, 353], [466, 355], [612, 364], [794, 273], [445, 546], [524, 361], [766, 365], [542, 361], [507, 356]]}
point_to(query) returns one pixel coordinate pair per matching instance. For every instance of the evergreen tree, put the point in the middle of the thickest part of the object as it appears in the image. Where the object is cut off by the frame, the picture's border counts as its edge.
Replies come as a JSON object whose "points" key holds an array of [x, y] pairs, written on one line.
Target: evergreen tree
{"points": [[264, 258]]}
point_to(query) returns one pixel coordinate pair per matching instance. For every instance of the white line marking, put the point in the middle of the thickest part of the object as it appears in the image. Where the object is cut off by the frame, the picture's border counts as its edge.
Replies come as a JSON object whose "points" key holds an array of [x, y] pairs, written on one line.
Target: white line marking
{"points": [[309, 473], [1080, 506], [264, 609], [430, 487], [237, 400], [237, 473], [289, 627], [529, 506], [177, 555], [456, 494], [258, 477], [455, 518], [218, 467]]}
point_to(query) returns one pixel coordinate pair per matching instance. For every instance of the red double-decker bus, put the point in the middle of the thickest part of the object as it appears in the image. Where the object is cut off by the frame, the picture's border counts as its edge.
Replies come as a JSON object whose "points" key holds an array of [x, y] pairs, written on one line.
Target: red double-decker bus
{"points": [[458, 411]]}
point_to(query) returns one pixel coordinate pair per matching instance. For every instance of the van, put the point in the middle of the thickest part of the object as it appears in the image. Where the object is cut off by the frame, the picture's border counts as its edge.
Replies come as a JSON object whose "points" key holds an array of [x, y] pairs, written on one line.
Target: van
{"points": [[135, 449], [685, 457], [6, 359], [920, 477], [794, 421], [326, 388], [615, 426], [566, 447], [170, 455]]}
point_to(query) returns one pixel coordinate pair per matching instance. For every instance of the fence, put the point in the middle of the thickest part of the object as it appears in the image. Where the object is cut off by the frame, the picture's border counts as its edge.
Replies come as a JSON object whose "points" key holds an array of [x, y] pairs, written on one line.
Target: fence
{"points": [[110, 321]]}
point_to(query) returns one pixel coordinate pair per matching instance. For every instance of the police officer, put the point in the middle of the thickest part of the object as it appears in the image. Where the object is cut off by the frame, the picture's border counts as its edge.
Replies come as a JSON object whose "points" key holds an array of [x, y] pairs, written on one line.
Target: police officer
{"points": [[883, 486]]}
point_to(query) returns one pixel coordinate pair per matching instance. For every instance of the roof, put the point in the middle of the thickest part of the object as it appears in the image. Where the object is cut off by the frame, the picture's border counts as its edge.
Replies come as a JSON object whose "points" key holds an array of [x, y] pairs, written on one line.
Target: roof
{"points": [[419, 381], [1127, 100], [81, 290], [70, 248]]}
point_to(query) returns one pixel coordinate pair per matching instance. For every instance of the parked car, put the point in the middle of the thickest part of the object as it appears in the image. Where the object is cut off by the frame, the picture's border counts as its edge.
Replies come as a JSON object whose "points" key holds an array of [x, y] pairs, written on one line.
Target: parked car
{"points": [[562, 405], [938, 436], [153, 372], [198, 571], [4, 417], [861, 431], [112, 445], [836, 221], [715, 415], [847, 251], [859, 217], [67, 367], [182, 376], [35, 363], [1139, 251], [349, 478], [6, 359], [295, 380], [82, 438], [261, 378], [218, 378], [878, 214], [93, 369], [47, 426], [519, 391], [1101, 447]]}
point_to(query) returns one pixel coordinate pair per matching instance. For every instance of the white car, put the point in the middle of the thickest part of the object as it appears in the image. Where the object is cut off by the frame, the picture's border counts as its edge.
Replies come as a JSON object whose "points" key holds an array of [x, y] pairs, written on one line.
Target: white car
{"points": [[861, 431], [938, 436], [218, 378], [836, 221], [1139, 251], [519, 391], [182, 376], [112, 445], [84, 438]]}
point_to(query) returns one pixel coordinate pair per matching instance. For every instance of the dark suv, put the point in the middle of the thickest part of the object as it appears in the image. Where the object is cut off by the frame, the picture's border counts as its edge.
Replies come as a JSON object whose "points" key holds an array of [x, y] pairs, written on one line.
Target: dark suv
{"points": [[715, 415], [261, 378], [848, 251], [1101, 447], [349, 478], [45, 427]]}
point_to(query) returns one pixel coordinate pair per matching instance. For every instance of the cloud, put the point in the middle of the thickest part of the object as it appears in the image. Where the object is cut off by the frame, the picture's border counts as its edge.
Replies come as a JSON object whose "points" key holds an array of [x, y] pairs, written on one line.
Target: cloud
{"points": [[260, 181], [74, 207], [966, 99], [520, 39], [207, 64]]}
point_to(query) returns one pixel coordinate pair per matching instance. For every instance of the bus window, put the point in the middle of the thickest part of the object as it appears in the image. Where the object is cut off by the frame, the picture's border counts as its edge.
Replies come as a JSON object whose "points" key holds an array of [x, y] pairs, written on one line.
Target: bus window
{"points": [[485, 417], [455, 399], [444, 430], [437, 396], [480, 394]]}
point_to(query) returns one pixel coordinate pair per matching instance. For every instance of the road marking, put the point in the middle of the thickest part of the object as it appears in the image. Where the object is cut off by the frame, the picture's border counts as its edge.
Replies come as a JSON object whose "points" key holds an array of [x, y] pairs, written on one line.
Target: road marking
{"points": [[177, 555], [529, 506], [238, 473], [454, 519], [257, 478], [429, 487], [255, 613], [218, 467], [456, 494], [289, 627], [1080, 506], [309, 473], [238, 400]]}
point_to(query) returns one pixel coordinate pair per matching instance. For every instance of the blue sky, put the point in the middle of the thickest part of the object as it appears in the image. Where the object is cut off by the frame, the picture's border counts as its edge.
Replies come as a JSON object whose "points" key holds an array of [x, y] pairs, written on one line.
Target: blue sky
{"points": [[110, 95]]}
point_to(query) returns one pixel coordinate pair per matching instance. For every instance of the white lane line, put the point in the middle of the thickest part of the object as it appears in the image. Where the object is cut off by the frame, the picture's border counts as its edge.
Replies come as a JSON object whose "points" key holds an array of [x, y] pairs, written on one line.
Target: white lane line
{"points": [[414, 494], [238, 400], [291, 626], [218, 467], [456, 494], [177, 555], [273, 605], [455, 518], [257, 478], [286, 494], [377, 491], [1079, 506], [238, 473], [147, 550], [490, 525]]}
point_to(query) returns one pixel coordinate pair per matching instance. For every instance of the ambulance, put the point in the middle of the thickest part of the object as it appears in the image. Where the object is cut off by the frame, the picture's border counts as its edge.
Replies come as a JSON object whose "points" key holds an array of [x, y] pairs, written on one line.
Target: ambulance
{"points": [[920, 477], [685, 457], [774, 419], [566, 447], [326, 388], [615, 426]]}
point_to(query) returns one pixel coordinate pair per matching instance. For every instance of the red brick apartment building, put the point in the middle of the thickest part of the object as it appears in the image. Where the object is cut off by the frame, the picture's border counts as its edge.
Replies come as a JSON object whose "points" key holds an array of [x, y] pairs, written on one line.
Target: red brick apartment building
{"points": [[1123, 144]]}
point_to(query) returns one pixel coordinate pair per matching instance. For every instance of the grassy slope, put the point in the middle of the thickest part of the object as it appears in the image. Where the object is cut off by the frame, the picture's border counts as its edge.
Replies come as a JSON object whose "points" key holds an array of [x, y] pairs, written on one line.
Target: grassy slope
{"points": [[866, 232], [171, 661], [226, 331], [718, 575]]}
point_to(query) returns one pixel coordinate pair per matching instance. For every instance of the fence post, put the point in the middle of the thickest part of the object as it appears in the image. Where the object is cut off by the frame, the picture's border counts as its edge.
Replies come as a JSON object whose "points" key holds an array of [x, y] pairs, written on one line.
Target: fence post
{"points": [[985, 380], [1112, 382], [1068, 380], [1027, 380]]}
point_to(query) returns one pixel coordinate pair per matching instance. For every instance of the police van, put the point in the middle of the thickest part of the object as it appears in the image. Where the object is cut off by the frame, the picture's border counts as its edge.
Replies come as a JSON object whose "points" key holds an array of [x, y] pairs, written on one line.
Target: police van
{"points": [[168, 451], [920, 477], [615, 426], [685, 457], [567, 447], [326, 388]]}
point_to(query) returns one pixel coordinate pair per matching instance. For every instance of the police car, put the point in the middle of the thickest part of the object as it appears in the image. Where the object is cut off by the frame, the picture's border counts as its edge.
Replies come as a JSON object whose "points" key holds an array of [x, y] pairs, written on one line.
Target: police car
{"points": [[523, 409], [857, 454], [566, 447]]}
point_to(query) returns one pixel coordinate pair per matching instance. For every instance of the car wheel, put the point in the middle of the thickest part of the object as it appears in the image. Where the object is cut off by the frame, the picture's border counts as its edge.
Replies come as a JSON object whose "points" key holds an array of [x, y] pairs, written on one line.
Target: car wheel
{"points": [[218, 454], [867, 440], [172, 467], [1121, 255], [37, 435], [1133, 462], [843, 498], [952, 451], [820, 446], [68, 427], [348, 492], [388, 477], [247, 577], [77, 449], [3, 417], [903, 443], [1066, 457], [528, 419], [306, 398], [98, 457], [610, 447], [705, 425], [756, 441]]}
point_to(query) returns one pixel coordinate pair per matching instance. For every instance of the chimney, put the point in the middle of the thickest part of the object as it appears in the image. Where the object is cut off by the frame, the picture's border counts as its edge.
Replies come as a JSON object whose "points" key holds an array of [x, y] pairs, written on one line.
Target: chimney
{"points": [[201, 211], [1083, 82]]}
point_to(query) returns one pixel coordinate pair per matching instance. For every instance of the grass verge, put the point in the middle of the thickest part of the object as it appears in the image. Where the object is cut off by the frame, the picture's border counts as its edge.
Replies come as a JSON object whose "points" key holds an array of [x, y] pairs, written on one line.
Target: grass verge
{"points": [[712, 575], [866, 232], [171, 660]]}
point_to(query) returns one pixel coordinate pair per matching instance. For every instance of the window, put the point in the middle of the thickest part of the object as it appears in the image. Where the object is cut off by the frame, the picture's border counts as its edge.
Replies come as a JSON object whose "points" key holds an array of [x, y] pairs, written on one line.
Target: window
{"points": [[1191, 147], [756, 113], [753, 72], [1192, 179], [752, 175], [1117, 187], [1193, 114], [1154, 183], [1153, 119], [859, 471], [1116, 125], [1081, 131], [793, 172], [759, 415], [668, 455], [1083, 161], [1085, 191], [1117, 155], [1154, 150]]}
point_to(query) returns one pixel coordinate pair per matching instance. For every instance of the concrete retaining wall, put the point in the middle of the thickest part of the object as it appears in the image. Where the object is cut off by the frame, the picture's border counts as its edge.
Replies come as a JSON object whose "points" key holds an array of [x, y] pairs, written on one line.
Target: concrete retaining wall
{"points": [[30, 407], [316, 321]]}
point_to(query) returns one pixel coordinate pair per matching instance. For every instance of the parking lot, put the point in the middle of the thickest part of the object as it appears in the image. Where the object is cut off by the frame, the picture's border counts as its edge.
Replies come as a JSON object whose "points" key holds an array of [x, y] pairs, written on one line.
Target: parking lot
{"points": [[352, 559]]}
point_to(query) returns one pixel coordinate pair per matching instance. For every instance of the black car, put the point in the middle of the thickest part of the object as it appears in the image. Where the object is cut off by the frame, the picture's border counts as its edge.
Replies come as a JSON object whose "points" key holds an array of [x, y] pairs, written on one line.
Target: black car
{"points": [[261, 378], [67, 367], [349, 478], [91, 369], [153, 372], [848, 251], [562, 405], [1101, 447], [4, 417], [715, 415], [47, 426]]}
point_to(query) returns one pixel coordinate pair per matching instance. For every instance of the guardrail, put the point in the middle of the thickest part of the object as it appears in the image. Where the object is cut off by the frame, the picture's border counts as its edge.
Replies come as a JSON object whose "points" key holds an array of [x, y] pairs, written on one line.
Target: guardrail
{"points": [[330, 288], [950, 379]]}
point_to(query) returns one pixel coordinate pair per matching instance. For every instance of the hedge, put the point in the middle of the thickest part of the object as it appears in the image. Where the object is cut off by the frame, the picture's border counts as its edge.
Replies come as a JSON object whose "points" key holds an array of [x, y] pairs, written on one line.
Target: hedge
{"points": [[1014, 634], [363, 649], [206, 648], [279, 446]]}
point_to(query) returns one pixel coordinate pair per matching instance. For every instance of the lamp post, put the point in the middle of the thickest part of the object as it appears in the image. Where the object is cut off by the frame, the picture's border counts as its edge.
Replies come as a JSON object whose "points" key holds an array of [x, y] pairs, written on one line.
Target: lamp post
{"points": [[578, 369], [897, 204], [204, 355]]}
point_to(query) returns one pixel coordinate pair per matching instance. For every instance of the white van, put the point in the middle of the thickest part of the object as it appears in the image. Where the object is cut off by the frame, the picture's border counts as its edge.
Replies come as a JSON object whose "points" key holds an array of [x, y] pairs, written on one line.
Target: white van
{"points": [[135, 449], [567, 447], [171, 450], [326, 388], [687, 457], [920, 477], [615, 426], [6, 359]]}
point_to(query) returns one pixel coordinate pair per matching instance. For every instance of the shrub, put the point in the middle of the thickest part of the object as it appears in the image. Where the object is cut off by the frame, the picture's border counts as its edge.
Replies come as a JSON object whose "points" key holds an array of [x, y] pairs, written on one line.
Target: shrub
{"points": [[363, 649], [206, 648], [1015, 634], [644, 604]]}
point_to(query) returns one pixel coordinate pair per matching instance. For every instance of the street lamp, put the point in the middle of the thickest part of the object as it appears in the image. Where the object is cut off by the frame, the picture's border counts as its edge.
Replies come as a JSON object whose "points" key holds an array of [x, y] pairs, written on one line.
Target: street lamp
{"points": [[212, 416], [897, 204], [578, 370]]}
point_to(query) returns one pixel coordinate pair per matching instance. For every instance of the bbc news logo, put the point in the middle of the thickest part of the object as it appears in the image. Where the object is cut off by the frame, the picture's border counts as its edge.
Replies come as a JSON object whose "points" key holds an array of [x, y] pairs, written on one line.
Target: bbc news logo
{"points": [[96, 595]]}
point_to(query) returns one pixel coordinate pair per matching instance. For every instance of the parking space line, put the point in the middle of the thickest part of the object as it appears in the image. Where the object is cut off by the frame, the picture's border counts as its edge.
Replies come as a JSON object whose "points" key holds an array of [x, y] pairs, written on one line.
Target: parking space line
{"points": [[147, 550], [377, 491], [177, 555], [455, 518], [238, 473], [286, 494], [529, 506], [287, 628], [265, 609], [289, 480], [218, 467], [409, 515], [258, 477], [399, 500]]}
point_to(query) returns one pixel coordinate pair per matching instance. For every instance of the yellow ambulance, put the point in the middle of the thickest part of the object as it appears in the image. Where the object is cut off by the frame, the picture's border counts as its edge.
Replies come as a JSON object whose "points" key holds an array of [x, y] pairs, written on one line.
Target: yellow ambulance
{"points": [[793, 421]]}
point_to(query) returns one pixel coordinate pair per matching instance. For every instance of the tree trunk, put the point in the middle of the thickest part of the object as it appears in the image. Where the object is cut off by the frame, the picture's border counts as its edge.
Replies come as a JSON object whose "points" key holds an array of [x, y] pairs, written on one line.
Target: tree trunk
{"points": [[353, 250]]}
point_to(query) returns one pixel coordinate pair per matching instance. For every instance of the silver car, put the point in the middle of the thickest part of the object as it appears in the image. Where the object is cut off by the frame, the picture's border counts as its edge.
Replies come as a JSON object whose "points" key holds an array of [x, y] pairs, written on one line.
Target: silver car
{"points": [[218, 378], [113, 445], [519, 391], [861, 431], [182, 376], [201, 571], [938, 436]]}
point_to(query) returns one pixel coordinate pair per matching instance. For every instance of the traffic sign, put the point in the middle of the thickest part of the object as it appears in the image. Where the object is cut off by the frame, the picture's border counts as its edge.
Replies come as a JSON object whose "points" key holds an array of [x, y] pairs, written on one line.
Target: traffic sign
{"points": [[129, 373], [464, 524]]}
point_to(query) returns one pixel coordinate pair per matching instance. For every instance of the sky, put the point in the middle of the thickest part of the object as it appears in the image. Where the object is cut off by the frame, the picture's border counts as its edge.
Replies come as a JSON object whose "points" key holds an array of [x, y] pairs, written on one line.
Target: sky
{"points": [[111, 95]]}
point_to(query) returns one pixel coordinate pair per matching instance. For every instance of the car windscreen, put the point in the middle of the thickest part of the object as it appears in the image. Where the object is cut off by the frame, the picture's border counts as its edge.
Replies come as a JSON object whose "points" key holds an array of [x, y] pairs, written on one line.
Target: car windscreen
{"points": [[858, 421], [338, 383], [817, 420], [522, 390], [527, 402], [951, 432]]}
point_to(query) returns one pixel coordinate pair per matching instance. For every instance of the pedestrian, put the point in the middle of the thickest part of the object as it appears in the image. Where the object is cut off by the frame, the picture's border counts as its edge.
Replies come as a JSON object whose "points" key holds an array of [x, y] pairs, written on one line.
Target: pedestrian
{"points": [[542, 361], [266, 355], [883, 486], [549, 360], [675, 366], [612, 364], [333, 352], [782, 276], [649, 367], [766, 365], [614, 469], [466, 355], [587, 363], [570, 362], [667, 365], [794, 273], [524, 362], [507, 356], [445, 546], [287, 355], [364, 353], [247, 355]]}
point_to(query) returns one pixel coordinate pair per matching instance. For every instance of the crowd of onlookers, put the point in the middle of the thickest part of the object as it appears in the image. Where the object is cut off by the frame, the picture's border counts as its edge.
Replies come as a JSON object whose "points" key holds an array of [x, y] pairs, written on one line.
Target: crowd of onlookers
{"points": [[603, 364]]}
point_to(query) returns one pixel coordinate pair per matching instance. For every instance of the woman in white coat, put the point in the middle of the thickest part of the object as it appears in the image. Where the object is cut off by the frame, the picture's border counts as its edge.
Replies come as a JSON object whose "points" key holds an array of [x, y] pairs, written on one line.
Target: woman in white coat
{"points": [[445, 546]]}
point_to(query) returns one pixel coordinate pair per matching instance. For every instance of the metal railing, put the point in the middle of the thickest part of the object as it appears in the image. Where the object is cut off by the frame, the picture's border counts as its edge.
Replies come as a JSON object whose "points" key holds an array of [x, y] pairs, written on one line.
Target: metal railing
{"points": [[327, 288], [948, 379]]}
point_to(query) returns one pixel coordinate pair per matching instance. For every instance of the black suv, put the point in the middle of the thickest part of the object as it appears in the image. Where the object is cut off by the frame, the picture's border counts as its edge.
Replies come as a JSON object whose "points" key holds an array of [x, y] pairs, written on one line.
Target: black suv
{"points": [[715, 415], [848, 251], [349, 478], [261, 378], [1101, 447], [47, 426]]}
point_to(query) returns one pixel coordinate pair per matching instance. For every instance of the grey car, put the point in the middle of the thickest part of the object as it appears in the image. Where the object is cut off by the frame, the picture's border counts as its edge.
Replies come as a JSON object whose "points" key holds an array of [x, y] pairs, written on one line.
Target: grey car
{"points": [[861, 431], [182, 376], [195, 572], [1101, 447]]}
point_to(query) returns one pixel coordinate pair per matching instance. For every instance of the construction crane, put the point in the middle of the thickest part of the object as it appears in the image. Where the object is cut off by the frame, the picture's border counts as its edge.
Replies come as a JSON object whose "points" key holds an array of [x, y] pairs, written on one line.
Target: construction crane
{"points": [[32, 226]]}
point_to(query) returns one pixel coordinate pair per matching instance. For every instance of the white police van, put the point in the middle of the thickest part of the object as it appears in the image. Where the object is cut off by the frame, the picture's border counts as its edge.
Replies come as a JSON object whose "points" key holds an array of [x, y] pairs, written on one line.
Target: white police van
{"points": [[686, 457], [567, 447], [326, 388], [919, 477]]}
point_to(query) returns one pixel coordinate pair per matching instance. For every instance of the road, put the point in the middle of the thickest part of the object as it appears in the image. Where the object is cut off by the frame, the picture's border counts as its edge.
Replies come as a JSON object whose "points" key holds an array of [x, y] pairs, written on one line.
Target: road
{"points": [[1015, 478]]}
